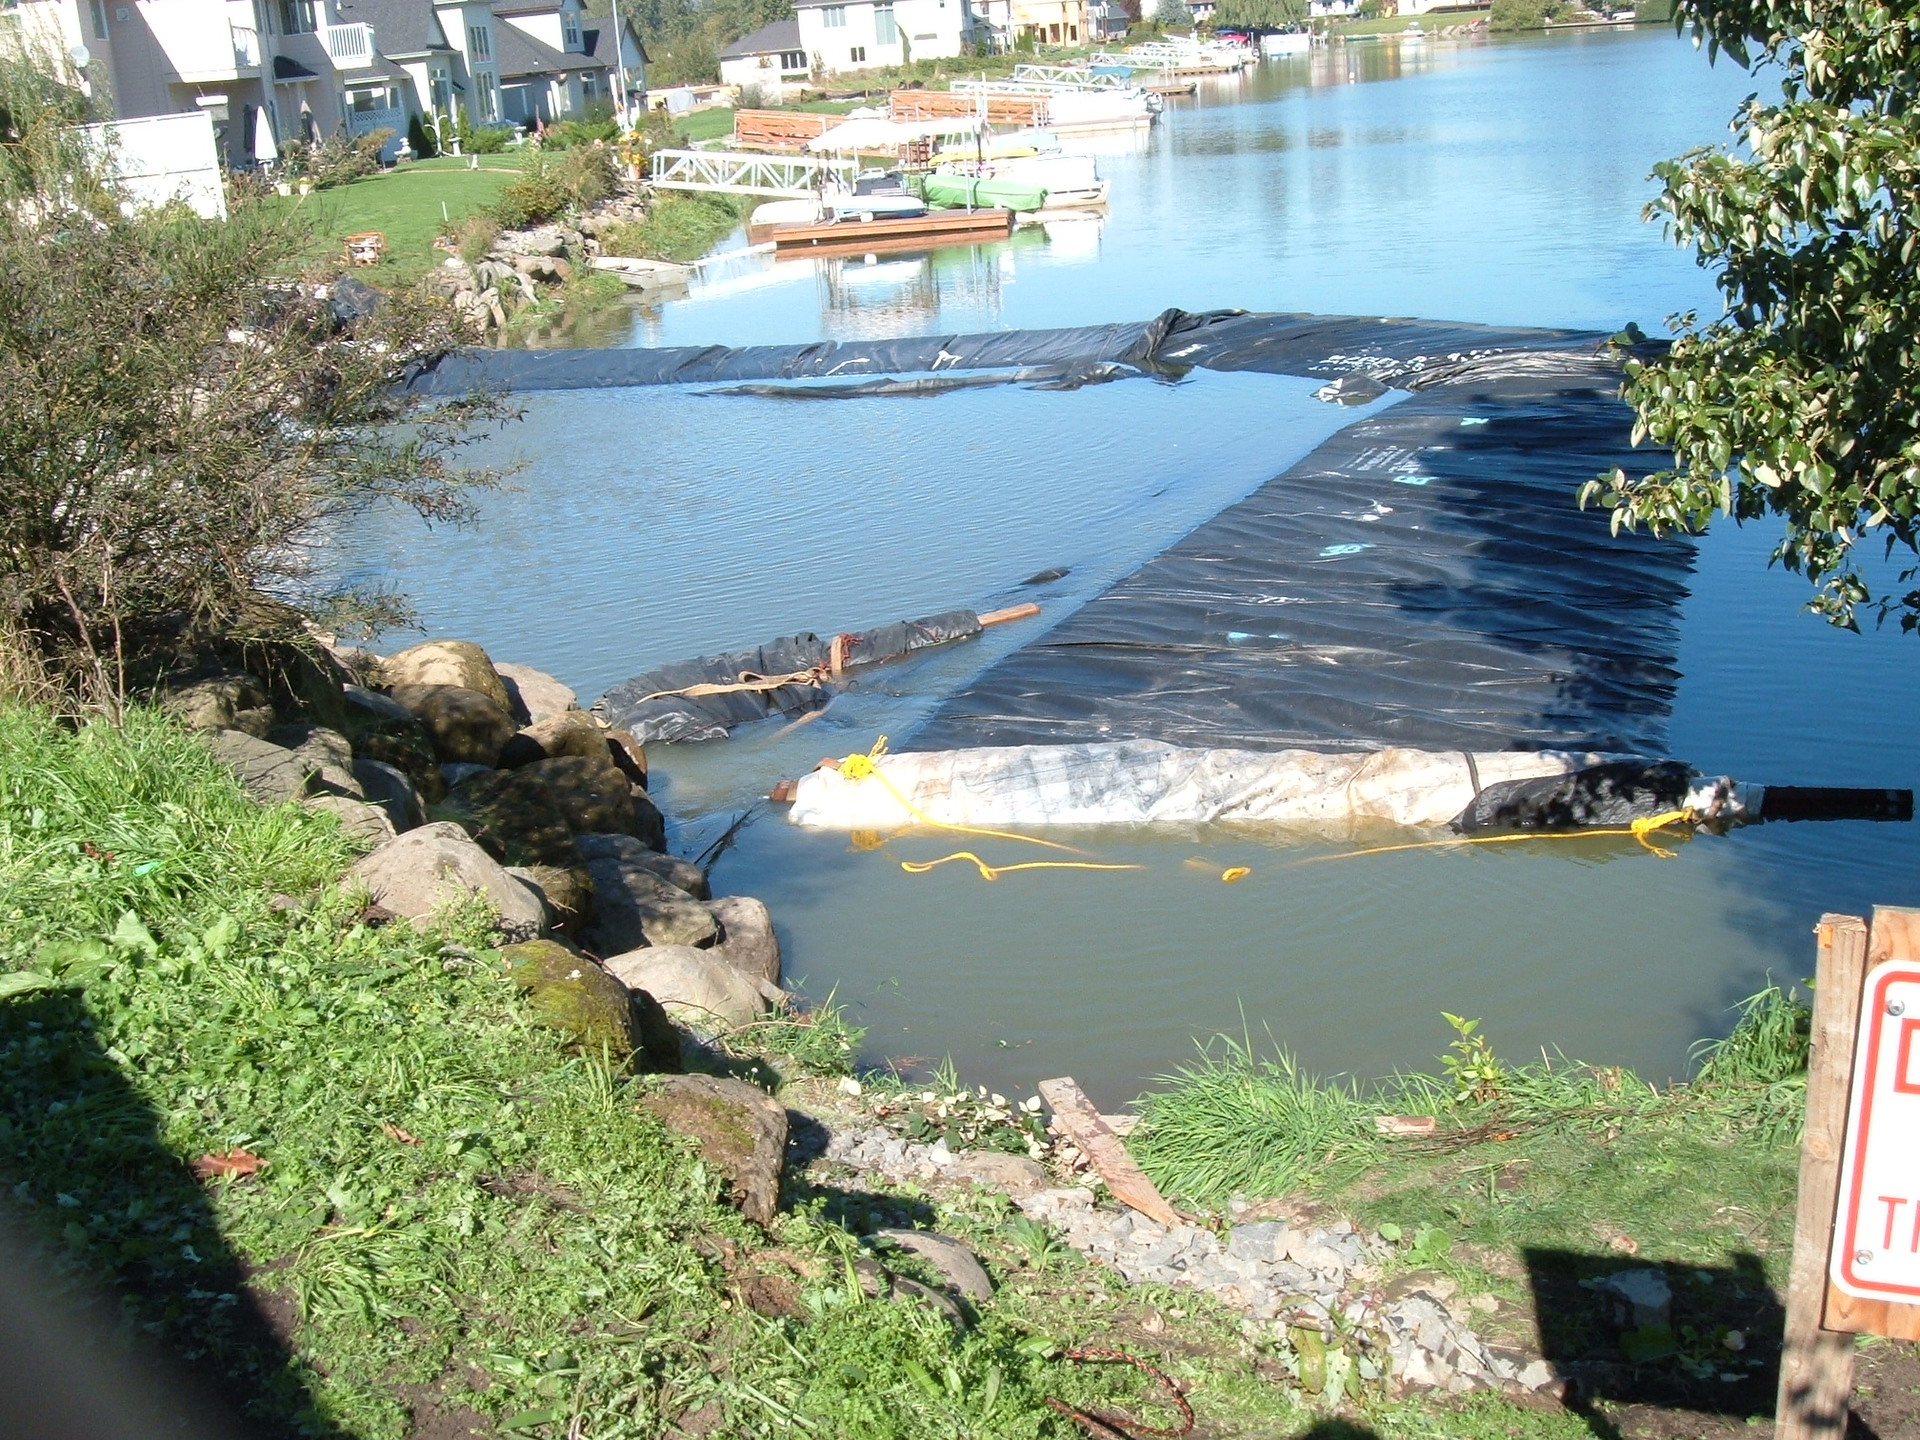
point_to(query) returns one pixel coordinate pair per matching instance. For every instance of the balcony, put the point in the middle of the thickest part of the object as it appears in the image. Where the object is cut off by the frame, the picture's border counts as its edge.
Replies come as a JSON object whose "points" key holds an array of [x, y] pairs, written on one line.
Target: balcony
{"points": [[349, 47], [202, 47]]}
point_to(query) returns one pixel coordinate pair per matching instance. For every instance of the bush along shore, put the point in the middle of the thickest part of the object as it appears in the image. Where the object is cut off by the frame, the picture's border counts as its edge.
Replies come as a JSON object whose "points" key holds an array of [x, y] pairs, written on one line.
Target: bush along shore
{"points": [[367, 1053]]}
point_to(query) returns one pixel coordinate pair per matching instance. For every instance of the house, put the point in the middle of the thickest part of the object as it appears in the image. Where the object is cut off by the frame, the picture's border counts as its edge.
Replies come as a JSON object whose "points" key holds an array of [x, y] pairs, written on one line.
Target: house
{"points": [[1051, 22], [842, 35], [1107, 20], [269, 71], [767, 61]]}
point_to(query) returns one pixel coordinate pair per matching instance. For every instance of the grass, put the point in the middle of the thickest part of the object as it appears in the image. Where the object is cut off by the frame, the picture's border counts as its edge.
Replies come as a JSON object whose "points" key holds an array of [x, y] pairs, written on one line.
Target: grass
{"points": [[680, 227], [406, 205], [1396, 24]]}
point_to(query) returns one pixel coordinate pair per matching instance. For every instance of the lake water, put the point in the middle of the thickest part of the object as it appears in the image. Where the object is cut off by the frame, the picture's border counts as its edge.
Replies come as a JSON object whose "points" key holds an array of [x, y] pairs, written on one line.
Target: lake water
{"points": [[1490, 181]]}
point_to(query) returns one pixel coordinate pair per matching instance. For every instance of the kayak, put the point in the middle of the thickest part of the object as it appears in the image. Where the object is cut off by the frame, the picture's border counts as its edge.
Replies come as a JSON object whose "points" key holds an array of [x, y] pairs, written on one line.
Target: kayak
{"points": [[955, 191]]}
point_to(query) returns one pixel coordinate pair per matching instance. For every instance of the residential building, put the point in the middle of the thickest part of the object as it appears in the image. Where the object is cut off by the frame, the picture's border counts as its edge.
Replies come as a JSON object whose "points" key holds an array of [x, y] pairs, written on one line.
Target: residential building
{"points": [[768, 61], [1051, 22], [842, 35], [269, 71]]}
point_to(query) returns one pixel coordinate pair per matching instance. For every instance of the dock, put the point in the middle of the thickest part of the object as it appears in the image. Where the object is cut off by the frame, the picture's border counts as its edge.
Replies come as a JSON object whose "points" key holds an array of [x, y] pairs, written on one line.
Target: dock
{"points": [[938, 227]]}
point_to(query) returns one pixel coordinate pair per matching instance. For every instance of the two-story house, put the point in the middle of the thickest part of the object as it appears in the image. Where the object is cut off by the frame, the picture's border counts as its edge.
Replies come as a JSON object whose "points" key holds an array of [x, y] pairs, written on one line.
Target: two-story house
{"points": [[842, 35], [312, 68], [767, 62]]}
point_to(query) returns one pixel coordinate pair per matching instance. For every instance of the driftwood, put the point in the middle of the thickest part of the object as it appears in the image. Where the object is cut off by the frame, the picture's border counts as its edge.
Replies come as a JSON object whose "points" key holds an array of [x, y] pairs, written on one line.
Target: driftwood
{"points": [[1075, 1117]]}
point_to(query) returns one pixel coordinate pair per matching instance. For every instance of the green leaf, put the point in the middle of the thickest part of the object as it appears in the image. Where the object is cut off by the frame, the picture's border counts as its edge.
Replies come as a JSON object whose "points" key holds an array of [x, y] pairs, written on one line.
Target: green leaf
{"points": [[529, 1419], [24, 982]]}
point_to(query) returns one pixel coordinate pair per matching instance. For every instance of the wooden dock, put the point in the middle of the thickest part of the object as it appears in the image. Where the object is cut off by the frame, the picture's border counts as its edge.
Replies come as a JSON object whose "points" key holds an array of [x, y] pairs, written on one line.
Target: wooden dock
{"points": [[937, 227]]}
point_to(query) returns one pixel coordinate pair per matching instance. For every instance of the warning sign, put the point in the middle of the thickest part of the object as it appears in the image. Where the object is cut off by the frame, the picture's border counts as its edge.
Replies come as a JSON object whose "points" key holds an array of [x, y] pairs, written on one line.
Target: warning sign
{"points": [[1876, 1236]]}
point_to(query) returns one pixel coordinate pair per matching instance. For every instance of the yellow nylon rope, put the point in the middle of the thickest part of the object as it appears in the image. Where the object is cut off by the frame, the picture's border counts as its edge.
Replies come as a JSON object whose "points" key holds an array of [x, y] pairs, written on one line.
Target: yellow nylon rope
{"points": [[1639, 829], [994, 872], [860, 767]]}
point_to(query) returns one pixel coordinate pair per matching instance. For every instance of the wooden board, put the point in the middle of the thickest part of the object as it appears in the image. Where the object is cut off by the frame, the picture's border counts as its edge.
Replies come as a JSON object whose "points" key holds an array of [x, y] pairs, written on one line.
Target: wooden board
{"points": [[906, 106], [940, 227], [1075, 1117], [1895, 936], [779, 129]]}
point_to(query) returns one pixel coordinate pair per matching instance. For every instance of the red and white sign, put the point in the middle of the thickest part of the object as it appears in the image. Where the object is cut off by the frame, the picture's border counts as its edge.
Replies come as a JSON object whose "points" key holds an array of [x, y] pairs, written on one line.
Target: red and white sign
{"points": [[1876, 1237]]}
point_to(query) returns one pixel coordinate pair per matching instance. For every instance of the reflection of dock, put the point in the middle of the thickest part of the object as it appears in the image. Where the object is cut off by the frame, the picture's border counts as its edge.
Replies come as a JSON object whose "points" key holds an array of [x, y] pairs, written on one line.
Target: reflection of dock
{"points": [[939, 227]]}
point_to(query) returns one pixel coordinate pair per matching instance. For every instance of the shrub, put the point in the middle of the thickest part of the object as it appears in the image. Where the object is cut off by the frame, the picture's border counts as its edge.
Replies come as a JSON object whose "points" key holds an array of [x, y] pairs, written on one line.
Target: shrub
{"points": [[486, 139], [567, 134], [474, 236], [1527, 14], [420, 137], [677, 227], [334, 160]]}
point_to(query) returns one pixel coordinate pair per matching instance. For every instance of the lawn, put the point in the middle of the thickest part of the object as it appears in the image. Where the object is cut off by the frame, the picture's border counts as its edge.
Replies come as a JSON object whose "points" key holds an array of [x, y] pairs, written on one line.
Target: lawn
{"points": [[407, 204], [1395, 24]]}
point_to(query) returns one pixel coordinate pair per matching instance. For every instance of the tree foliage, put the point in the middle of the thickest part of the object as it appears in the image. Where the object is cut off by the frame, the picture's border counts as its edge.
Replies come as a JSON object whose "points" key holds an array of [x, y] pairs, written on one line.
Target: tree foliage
{"points": [[1173, 14], [1802, 400], [684, 37], [1276, 14], [184, 422]]}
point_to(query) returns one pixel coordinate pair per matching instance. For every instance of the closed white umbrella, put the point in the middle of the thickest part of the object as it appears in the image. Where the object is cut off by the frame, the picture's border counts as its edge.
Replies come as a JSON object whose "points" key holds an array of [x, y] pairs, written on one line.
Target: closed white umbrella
{"points": [[264, 150]]}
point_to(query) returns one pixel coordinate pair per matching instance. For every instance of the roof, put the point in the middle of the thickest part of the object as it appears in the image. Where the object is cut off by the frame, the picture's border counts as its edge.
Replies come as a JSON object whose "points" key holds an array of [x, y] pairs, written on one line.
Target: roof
{"points": [[517, 53], [400, 27], [526, 7], [777, 38]]}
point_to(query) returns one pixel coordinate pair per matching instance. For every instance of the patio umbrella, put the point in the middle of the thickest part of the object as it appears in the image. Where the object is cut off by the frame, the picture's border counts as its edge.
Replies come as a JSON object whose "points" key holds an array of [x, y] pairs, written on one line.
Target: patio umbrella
{"points": [[264, 150]]}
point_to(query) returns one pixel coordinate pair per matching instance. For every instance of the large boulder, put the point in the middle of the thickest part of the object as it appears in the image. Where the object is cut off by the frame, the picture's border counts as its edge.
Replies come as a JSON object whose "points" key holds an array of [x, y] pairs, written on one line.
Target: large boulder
{"points": [[366, 706], [423, 870], [739, 1130], [598, 1013], [534, 693], [448, 662], [699, 988], [271, 774], [570, 732], [392, 789], [383, 729], [747, 941], [359, 819], [327, 750], [465, 725], [681, 874], [634, 907], [629, 754], [594, 796], [222, 700], [514, 816], [568, 892]]}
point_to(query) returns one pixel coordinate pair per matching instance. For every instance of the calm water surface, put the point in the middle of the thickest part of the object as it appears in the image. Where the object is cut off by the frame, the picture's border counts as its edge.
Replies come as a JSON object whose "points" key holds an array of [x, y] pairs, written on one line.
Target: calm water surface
{"points": [[1496, 181]]}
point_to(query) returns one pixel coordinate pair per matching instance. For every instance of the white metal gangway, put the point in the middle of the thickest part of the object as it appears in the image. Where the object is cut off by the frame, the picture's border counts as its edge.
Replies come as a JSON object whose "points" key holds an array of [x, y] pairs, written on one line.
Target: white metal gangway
{"points": [[728, 172], [1076, 77]]}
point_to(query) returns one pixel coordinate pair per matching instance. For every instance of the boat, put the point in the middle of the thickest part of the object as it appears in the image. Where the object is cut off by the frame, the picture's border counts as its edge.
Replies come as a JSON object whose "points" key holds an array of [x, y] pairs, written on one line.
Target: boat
{"points": [[877, 195], [953, 190]]}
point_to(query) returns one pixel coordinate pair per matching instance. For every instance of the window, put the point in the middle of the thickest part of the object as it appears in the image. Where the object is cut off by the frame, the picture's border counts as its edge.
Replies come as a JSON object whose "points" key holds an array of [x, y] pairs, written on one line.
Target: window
{"points": [[885, 32], [296, 17], [441, 84], [383, 98], [857, 54], [793, 60], [589, 86], [99, 19], [479, 43], [489, 92], [834, 16], [570, 30], [1073, 32]]}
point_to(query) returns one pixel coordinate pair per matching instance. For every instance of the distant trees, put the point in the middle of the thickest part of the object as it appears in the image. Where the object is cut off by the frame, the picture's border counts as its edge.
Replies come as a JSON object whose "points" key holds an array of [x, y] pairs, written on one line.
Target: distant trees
{"points": [[1801, 401], [684, 37], [1273, 14]]}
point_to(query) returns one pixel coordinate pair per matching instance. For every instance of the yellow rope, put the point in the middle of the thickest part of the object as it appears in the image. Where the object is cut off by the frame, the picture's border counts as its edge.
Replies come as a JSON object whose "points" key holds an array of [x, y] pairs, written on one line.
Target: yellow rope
{"points": [[994, 872], [859, 767], [1639, 829]]}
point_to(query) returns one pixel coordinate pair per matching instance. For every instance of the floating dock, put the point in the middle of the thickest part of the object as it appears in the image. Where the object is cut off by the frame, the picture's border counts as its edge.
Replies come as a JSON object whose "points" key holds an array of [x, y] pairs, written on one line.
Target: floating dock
{"points": [[934, 228]]}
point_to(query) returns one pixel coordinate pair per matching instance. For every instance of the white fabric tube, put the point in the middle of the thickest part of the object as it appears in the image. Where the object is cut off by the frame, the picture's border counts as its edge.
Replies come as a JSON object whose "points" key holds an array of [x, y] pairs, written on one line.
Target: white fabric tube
{"points": [[1147, 782]]}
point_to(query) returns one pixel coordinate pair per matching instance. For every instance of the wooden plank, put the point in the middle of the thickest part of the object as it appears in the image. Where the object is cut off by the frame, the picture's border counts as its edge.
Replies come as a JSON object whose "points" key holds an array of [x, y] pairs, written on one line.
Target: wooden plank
{"points": [[941, 227], [906, 106], [1816, 1364], [779, 129], [1080, 1122], [1895, 936]]}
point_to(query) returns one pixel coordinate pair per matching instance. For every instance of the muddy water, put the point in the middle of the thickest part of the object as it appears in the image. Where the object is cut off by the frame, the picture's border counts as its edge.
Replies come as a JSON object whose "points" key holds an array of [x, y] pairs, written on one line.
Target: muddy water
{"points": [[1492, 182]]}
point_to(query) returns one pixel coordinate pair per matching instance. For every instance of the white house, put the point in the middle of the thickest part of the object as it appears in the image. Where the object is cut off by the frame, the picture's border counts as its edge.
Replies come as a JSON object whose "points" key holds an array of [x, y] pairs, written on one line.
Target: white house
{"points": [[842, 35], [304, 69], [768, 61]]}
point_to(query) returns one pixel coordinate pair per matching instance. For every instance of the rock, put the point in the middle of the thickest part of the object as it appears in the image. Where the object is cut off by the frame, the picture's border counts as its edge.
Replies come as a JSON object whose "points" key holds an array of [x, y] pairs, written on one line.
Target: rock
{"points": [[300, 675], [1314, 1250], [1638, 1297], [1421, 1282], [534, 693], [364, 705], [902, 1288], [634, 907], [568, 892], [392, 790], [1264, 1240], [649, 824], [464, 724], [572, 994], [570, 732], [514, 816], [458, 663], [408, 750], [458, 772], [357, 818], [955, 1262], [740, 1130], [681, 874], [747, 941], [626, 751], [419, 872], [271, 774], [329, 751], [1537, 1376], [225, 700], [594, 796], [1013, 1175], [704, 992], [1049, 1204]]}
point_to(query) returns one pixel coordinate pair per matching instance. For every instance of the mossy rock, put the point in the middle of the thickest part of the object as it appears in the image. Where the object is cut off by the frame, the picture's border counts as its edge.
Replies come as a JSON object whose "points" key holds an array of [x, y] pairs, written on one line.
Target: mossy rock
{"points": [[514, 817], [575, 996]]}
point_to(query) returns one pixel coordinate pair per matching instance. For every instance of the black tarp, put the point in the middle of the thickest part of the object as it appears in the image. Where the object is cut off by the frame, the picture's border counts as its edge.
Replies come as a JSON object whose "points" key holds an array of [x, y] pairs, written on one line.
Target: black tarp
{"points": [[1424, 579]]}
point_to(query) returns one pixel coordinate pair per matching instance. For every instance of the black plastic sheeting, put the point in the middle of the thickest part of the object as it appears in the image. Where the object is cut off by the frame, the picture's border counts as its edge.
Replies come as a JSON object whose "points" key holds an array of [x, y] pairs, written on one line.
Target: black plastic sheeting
{"points": [[1423, 579], [1406, 353], [1616, 793], [709, 717]]}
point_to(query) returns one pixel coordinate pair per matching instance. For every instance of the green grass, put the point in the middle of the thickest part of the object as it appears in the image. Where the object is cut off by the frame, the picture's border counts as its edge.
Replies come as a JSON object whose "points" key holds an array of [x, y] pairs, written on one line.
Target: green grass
{"points": [[680, 227], [1396, 24], [404, 204]]}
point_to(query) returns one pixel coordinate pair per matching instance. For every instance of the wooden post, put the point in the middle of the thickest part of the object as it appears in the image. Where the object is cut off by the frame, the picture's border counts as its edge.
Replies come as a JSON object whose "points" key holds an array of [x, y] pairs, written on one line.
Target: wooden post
{"points": [[1816, 1364], [1895, 936]]}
